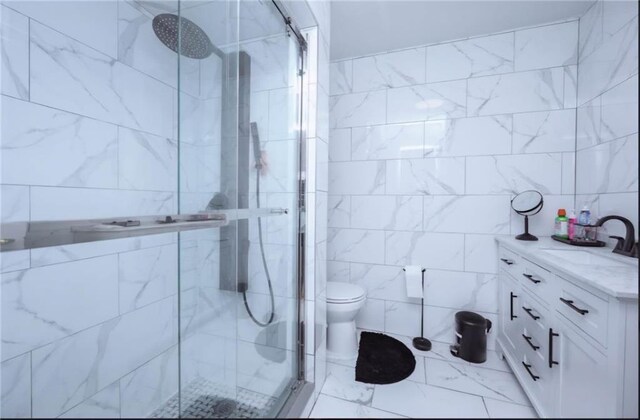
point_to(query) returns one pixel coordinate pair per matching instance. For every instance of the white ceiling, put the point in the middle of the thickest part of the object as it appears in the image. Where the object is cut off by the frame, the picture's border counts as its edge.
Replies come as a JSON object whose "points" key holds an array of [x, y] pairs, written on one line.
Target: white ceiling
{"points": [[362, 27]]}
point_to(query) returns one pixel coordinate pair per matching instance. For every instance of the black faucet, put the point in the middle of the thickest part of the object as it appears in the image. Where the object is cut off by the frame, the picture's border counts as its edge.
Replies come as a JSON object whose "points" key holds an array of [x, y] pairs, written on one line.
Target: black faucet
{"points": [[626, 246]]}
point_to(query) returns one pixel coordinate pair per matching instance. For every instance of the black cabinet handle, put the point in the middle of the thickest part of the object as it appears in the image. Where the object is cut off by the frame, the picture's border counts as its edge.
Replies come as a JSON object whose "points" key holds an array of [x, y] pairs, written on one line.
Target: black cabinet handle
{"points": [[528, 340], [530, 277], [570, 304], [506, 261], [511, 301], [527, 366], [528, 310], [551, 335]]}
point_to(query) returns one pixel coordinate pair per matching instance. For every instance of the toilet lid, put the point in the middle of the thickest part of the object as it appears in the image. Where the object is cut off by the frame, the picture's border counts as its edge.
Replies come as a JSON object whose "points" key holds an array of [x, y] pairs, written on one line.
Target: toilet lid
{"points": [[344, 292]]}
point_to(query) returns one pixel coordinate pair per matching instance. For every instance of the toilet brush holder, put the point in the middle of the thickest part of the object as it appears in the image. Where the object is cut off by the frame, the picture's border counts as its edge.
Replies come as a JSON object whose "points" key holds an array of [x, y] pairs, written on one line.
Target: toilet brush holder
{"points": [[421, 343]]}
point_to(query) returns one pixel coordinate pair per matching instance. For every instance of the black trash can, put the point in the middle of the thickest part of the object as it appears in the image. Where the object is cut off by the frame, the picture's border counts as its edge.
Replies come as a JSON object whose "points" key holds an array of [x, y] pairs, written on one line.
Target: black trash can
{"points": [[471, 337]]}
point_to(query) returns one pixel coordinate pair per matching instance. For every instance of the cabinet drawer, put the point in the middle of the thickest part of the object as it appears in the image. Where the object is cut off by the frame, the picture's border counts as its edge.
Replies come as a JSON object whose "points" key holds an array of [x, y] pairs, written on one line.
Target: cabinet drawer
{"points": [[537, 280], [585, 310], [509, 261], [536, 322], [540, 382]]}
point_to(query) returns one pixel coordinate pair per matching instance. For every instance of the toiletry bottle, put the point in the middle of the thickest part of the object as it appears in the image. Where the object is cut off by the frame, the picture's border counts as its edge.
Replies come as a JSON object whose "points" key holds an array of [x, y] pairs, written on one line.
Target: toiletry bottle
{"points": [[572, 224], [585, 215], [561, 227]]}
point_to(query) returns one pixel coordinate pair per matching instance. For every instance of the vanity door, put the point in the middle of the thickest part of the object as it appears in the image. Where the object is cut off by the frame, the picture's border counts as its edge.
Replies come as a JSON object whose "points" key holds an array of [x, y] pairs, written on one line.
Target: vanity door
{"points": [[510, 314]]}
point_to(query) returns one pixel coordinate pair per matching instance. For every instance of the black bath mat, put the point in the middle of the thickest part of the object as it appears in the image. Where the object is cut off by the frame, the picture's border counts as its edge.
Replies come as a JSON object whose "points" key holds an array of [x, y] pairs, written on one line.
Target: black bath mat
{"points": [[383, 359]]}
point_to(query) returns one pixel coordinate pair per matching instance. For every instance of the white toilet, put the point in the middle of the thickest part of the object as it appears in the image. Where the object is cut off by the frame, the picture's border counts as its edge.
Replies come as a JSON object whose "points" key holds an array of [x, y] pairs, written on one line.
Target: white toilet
{"points": [[344, 300]]}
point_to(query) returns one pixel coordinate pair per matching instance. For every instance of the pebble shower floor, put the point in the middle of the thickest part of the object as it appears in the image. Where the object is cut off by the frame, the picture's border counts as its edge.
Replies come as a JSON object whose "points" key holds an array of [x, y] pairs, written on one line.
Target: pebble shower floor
{"points": [[205, 399]]}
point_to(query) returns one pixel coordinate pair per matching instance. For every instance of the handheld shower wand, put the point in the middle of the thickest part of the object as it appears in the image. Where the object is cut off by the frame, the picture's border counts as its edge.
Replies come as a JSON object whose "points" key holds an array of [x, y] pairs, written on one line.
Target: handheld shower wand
{"points": [[257, 153]]}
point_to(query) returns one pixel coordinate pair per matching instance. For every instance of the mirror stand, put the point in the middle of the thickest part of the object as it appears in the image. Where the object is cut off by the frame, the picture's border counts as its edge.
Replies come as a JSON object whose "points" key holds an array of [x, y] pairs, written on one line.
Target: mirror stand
{"points": [[526, 236]]}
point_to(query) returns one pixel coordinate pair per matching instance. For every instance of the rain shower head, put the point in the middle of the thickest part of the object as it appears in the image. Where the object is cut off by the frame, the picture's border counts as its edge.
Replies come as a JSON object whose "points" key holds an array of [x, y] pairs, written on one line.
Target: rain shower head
{"points": [[194, 42]]}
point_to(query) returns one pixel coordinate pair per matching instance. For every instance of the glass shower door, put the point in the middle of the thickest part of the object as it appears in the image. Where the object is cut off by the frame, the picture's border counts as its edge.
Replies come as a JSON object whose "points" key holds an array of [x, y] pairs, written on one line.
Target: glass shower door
{"points": [[239, 155]]}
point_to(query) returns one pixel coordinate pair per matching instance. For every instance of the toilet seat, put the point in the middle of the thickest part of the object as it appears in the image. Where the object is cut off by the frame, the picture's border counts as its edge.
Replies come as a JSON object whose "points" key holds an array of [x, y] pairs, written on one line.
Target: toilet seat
{"points": [[340, 292]]}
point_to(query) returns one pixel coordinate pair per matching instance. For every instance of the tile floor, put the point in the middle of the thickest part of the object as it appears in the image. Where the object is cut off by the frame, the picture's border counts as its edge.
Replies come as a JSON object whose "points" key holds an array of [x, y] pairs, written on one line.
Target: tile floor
{"points": [[440, 386]]}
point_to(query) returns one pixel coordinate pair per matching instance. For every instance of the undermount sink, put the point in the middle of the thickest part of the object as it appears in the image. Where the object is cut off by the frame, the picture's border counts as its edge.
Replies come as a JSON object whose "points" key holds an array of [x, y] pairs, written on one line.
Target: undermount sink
{"points": [[583, 257]]}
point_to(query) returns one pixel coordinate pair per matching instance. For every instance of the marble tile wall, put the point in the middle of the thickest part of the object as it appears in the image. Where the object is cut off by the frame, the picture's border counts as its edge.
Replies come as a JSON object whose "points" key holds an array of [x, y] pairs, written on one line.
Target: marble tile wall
{"points": [[427, 147], [607, 117]]}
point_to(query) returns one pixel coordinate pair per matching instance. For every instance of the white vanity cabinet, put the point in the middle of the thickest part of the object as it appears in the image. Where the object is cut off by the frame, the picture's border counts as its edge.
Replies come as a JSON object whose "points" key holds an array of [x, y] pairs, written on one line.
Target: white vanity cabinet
{"points": [[572, 344]]}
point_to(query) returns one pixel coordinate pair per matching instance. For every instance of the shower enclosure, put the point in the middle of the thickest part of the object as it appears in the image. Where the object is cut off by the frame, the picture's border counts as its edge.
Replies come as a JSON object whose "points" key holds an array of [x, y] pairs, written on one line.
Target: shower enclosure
{"points": [[151, 208]]}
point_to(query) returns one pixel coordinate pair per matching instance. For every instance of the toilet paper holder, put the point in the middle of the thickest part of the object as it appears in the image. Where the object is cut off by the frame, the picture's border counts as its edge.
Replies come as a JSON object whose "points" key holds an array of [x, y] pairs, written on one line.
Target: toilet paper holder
{"points": [[421, 343]]}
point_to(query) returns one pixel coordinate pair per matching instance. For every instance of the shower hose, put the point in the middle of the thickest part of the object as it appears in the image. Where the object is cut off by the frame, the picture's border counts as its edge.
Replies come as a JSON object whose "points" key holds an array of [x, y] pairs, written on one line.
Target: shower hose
{"points": [[264, 261]]}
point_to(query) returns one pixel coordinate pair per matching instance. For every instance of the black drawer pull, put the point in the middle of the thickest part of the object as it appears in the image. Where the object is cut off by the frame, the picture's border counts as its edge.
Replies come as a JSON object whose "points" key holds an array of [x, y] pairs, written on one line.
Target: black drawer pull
{"points": [[570, 304], [528, 340], [511, 315], [506, 261], [528, 310], [530, 277], [551, 335], [527, 366]]}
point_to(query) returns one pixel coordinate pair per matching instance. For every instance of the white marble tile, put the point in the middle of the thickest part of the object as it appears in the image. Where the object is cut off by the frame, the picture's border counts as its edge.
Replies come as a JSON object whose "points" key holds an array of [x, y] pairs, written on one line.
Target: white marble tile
{"points": [[615, 14], [434, 250], [590, 30], [473, 380], [389, 70], [53, 203], [504, 410], [623, 204], [146, 162], [44, 304], [341, 77], [15, 203], [339, 211], [425, 176], [547, 46], [327, 407], [470, 58], [338, 271], [469, 136], [614, 61], [541, 132], [149, 386], [571, 86], [473, 291], [433, 101], [140, 48], [269, 63], [201, 122], [68, 75], [480, 253], [14, 260], [513, 174], [210, 77], [44, 146], [16, 387], [67, 370], [588, 123], [104, 404], [340, 144], [357, 245], [372, 315], [14, 39], [358, 109], [357, 177], [264, 369], [395, 141], [146, 276], [380, 281], [417, 400], [402, 318], [282, 115], [620, 110], [200, 169], [608, 167], [92, 23], [569, 173], [322, 168], [400, 212], [460, 214], [341, 383], [537, 90]]}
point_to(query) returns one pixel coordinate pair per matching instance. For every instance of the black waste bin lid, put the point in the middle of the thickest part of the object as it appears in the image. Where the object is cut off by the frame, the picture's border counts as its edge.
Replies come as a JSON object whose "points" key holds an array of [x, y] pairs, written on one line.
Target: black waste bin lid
{"points": [[471, 318]]}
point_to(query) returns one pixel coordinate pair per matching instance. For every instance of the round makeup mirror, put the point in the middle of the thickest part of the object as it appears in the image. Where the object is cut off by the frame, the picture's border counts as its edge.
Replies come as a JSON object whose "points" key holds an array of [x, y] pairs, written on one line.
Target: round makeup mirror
{"points": [[526, 204]]}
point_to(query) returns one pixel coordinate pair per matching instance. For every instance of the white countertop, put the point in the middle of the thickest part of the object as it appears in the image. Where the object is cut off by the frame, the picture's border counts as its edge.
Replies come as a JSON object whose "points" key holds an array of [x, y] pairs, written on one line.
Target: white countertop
{"points": [[620, 281]]}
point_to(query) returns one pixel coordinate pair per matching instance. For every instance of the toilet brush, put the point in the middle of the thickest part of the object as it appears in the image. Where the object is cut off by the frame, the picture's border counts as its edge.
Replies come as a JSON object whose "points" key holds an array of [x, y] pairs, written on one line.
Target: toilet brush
{"points": [[421, 343]]}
